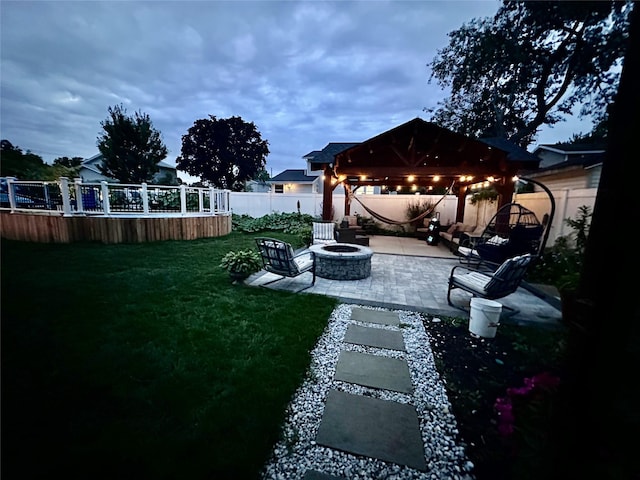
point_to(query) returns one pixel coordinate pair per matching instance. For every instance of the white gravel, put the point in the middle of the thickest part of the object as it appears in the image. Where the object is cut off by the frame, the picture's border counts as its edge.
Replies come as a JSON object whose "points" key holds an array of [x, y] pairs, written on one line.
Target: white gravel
{"points": [[298, 452]]}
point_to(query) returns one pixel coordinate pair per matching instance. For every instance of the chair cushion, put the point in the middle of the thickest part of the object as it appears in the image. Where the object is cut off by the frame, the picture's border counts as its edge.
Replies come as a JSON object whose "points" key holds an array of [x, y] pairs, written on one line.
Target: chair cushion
{"points": [[468, 252], [474, 281], [497, 240], [304, 261], [324, 231], [352, 219], [506, 271], [452, 229], [476, 232], [280, 256]]}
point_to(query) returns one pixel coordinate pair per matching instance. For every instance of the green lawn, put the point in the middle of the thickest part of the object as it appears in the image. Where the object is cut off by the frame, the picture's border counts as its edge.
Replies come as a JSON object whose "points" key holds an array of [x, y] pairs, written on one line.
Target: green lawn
{"points": [[144, 361]]}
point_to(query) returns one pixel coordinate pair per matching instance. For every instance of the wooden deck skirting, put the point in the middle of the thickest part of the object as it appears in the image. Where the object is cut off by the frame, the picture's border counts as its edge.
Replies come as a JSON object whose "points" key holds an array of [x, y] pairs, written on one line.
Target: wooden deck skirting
{"points": [[59, 229]]}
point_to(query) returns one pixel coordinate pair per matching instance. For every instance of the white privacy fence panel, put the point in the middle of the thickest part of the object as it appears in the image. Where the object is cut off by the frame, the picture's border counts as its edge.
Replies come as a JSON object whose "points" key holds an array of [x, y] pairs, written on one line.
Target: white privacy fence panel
{"points": [[567, 204], [393, 207]]}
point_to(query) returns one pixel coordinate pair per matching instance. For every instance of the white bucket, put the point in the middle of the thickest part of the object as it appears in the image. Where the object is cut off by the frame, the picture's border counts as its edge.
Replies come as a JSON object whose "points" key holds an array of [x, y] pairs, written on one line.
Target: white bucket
{"points": [[485, 317]]}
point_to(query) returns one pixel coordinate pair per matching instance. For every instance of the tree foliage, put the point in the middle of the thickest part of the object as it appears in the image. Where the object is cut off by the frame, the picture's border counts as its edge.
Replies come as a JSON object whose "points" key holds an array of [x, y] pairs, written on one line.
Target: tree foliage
{"points": [[24, 166], [131, 147], [530, 65], [224, 152]]}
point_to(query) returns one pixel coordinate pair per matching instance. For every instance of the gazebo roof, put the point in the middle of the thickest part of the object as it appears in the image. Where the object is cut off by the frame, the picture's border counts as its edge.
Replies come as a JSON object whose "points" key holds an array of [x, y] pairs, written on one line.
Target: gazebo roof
{"points": [[426, 152]]}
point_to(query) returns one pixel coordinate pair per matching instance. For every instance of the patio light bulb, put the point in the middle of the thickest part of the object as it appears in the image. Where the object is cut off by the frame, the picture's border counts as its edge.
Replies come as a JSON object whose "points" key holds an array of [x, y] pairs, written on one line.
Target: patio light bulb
{"points": [[363, 177], [436, 178], [414, 188], [410, 178]]}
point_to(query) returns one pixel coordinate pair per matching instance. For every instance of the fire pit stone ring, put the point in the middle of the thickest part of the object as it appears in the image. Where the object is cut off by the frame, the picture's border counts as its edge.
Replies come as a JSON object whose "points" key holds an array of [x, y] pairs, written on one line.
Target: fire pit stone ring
{"points": [[342, 261]]}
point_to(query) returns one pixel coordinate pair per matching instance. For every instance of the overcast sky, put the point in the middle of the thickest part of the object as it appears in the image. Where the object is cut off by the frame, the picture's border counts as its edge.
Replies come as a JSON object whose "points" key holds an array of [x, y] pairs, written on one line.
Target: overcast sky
{"points": [[305, 72]]}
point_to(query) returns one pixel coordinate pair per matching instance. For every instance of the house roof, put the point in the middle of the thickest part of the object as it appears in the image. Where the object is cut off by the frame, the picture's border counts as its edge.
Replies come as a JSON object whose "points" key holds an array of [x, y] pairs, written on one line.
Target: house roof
{"points": [[88, 162], [311, 154], [574, 163], [572, 148], [577, 155], [514, 151], [328, 153], [291, 175]]}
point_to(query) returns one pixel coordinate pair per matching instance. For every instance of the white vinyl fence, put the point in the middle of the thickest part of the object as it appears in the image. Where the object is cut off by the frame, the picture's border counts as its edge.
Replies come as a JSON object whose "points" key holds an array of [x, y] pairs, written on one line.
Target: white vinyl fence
{"points": [[394, 206]]}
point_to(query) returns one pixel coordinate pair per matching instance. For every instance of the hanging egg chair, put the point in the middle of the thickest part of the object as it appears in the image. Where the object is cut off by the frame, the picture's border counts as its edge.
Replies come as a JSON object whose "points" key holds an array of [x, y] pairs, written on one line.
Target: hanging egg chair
{"points": [[513, 230]]}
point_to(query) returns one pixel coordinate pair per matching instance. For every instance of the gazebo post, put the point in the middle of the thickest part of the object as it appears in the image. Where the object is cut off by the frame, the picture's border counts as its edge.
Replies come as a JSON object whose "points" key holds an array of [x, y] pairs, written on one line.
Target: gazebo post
{"points": [[327, 194], [347, 199], [462, 200]]}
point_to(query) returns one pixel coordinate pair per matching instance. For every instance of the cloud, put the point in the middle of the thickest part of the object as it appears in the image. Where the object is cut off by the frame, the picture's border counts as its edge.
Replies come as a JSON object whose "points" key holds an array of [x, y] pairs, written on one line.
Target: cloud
{"points": [[306, 73]]}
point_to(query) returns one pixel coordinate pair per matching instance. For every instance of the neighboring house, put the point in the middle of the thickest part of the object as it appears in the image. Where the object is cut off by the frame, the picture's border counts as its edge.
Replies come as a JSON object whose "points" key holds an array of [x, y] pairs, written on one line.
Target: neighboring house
{"points": [[257, 186], [90, 172], [569, 166], [310, 179], [294, 181]]}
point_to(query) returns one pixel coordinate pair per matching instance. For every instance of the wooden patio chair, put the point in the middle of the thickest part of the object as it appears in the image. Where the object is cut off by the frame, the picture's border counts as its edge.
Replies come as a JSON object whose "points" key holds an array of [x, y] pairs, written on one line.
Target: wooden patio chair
{"points": [[504, 281], [279, 257]]}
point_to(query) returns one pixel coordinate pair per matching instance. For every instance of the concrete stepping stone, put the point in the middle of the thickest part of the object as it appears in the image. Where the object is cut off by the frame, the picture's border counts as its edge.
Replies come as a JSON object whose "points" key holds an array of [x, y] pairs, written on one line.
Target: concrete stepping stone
{"points": [[381, 429], [374, 371], [375, 316], [374, 337]]}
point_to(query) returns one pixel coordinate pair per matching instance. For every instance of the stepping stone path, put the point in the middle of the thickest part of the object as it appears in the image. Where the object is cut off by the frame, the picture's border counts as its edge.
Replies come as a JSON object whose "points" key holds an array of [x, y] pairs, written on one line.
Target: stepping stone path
{"points": [[381, 429]]}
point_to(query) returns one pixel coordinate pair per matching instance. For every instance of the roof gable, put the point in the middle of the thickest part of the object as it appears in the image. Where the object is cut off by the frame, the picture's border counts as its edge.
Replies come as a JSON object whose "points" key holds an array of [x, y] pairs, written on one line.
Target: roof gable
{"points": [[425, 149], [292, 175], [94, 162], [328, 153]]}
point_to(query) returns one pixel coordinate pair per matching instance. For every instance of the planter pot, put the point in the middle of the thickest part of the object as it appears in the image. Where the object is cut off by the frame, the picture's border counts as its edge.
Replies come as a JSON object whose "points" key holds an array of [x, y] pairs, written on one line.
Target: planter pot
{"points": [[238, 276]]}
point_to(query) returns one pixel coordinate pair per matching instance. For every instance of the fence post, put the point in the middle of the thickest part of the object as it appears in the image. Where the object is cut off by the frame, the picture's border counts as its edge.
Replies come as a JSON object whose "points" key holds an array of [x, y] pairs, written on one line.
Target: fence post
{"points": [[183, 199], [66, 196], [79, 200], [11, 193], [145, 199], [213, 201], [106, 205], [200, 200]]}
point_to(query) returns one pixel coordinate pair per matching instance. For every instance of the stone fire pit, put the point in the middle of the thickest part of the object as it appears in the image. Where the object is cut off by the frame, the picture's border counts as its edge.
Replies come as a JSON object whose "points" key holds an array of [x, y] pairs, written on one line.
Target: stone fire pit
{"points": [[342, 261]]}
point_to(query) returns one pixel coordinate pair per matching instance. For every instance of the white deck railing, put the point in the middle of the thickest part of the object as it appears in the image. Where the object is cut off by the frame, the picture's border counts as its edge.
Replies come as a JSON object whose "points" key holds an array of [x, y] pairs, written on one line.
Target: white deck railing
{"points": [[112, 199]]}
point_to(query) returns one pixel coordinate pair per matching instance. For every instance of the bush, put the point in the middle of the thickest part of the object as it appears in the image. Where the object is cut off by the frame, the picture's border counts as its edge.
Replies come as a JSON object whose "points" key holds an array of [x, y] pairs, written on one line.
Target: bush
{"points": [[244, 262], [294, 223], [416, 208], [561, 264]]}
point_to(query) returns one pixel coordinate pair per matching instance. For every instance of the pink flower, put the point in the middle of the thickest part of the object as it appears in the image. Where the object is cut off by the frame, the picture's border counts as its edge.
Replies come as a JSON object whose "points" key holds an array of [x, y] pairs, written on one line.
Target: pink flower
{"points": [[504, 405]]}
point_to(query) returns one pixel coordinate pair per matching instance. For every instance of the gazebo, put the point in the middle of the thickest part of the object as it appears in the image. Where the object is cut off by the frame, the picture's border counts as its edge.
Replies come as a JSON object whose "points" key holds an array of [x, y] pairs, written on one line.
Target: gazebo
{"points": [[423, 154]]}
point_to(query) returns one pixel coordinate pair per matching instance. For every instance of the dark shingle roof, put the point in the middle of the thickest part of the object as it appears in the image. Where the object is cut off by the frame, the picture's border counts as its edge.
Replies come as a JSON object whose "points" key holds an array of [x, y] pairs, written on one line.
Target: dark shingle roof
{"points": [[311, 154], [575, 147], [330, 151], [292, 176], [514, 152]]}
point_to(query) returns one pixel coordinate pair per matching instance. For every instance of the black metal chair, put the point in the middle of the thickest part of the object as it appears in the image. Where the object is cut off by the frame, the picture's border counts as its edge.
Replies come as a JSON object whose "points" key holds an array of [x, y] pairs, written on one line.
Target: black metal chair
{"points": [[279, 257], [492, 286]]}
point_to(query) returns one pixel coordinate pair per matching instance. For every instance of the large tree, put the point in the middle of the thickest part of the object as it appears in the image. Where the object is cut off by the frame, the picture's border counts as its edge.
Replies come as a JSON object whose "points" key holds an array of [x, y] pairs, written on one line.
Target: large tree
{"points": [[24, 166], [224, 152], [131, 147], [530, 65]]}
